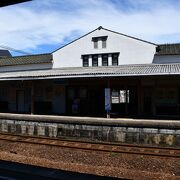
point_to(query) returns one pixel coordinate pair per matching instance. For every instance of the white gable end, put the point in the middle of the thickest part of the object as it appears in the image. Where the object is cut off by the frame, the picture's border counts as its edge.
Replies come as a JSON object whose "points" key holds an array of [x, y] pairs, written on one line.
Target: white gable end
{"points": [[131, 50]]}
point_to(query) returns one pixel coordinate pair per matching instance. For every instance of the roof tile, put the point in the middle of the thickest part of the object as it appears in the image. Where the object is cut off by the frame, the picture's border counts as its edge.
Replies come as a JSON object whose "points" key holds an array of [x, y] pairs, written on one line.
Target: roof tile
{"points": [[169, 49], [22, 60]]}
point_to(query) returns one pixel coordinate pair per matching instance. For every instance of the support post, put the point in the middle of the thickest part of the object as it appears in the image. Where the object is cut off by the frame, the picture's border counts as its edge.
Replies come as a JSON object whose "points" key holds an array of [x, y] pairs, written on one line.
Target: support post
{"points": [[126, 104], [108, 100]]}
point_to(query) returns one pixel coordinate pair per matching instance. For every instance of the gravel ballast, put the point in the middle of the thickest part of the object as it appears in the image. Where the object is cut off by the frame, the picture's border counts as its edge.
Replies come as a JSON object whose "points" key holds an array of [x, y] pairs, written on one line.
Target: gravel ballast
{"points": [[92, 162]]}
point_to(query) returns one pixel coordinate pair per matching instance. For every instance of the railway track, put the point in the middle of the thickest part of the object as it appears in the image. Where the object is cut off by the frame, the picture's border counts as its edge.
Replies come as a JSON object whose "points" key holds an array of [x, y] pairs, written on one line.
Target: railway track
{"points": [[93, 146]]}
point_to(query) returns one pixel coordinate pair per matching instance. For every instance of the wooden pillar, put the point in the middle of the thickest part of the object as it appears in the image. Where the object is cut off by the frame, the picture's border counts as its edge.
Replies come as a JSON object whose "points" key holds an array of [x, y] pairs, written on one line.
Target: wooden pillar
{"points": [[108, 111], [126, 103], [32, 97]]}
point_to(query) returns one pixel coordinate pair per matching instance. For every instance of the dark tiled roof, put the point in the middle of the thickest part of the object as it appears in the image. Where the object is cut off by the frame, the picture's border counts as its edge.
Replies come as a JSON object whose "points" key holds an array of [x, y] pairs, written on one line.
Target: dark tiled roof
{"points": [[10, 2], [168, 49], [4, 53], [22, 60], [82, 72]]}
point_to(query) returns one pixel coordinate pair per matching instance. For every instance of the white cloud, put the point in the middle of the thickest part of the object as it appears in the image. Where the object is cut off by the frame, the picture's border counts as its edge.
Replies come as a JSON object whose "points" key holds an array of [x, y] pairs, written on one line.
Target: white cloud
{"points": [[29, 25]]}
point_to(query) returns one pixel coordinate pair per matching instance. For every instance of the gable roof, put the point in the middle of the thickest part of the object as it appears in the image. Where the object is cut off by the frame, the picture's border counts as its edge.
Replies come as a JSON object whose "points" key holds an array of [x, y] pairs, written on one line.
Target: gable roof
{"points": [[168, 49], [99, 28], [29, 59]]}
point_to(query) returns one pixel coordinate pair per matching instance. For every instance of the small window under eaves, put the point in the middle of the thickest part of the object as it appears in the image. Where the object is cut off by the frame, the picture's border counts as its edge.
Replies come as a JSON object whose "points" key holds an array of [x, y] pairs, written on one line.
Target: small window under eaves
{"points": [[98, 40]]}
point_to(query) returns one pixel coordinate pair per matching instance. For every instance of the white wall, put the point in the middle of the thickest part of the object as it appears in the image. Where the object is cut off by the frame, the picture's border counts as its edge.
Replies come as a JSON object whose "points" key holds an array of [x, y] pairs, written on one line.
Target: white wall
{"points": [[166, 59], [131, 51], [25, 67]]}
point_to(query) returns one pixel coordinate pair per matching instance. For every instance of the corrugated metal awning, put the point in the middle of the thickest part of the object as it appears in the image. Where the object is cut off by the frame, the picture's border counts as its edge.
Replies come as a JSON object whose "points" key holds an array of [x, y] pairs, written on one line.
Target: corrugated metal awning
{"points": [[110, 71]]}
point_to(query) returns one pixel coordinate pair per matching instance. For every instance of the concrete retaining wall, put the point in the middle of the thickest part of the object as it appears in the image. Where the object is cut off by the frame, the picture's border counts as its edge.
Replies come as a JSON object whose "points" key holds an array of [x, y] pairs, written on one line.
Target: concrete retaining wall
{"points": [[168, 135]]}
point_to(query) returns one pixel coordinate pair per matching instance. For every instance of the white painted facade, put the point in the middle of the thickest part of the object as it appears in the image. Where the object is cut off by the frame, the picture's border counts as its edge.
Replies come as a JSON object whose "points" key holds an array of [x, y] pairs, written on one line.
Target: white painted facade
{"points": [[131, 50]]}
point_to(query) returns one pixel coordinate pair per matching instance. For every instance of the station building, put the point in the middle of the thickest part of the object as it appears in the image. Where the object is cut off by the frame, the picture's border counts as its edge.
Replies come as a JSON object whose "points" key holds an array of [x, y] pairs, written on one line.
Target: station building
{"points": [[142, 79]]}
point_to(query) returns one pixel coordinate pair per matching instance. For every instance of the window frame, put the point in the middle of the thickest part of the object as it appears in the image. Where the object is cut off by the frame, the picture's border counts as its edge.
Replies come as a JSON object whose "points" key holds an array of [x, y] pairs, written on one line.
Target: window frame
{"points": [[94, 61], [120, 96], [115, 59], [95, 41], [104, 43], [85, 58], [105, 60]]}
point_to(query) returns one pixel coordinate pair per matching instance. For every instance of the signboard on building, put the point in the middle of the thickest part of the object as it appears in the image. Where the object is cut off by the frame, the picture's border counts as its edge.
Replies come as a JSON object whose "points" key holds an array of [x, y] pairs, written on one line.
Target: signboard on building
{"points": [[107, 99]]}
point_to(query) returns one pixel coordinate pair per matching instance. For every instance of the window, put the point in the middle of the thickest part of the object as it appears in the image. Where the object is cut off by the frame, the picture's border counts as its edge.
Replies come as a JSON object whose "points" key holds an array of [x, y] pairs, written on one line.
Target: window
{"points": [[105, 60], [115, 97], [115, 59], [97, 39], [95, 43], [104, 42], [124, 96], [85, 61], [120, 96], [95, 60]]}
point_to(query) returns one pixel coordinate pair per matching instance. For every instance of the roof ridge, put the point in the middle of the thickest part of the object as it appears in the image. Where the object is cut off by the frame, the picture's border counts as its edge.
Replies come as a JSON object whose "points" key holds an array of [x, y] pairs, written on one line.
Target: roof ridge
{"points": [[127, 35], [100, 27]]}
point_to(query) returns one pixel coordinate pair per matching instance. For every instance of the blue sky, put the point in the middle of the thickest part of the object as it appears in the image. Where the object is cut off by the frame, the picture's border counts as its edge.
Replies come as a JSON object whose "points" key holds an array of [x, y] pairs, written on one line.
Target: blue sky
{"points": [[41, 26]]}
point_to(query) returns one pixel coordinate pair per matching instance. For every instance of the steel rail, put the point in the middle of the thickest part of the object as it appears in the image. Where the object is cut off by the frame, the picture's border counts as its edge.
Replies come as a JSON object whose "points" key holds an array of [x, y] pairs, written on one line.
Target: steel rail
{"points": [[93, 146], [62, 138]]}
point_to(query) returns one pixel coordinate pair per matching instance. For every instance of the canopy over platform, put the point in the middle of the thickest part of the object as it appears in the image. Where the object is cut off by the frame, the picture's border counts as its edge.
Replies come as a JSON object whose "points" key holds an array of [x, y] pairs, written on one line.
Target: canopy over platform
{"points": [[82, 72]]}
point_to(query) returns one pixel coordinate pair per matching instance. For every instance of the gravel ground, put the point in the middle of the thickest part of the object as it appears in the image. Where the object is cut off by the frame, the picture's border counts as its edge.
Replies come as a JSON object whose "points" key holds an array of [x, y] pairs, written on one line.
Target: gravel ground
{"points": [[107, 164]]}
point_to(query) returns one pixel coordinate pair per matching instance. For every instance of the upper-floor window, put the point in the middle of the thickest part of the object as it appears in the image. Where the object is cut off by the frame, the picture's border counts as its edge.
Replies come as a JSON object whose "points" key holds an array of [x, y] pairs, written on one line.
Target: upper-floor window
{"points": [[105, 60], [95, 60], [115, 59], [104, 42], [96, 41], [85, 61]]}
